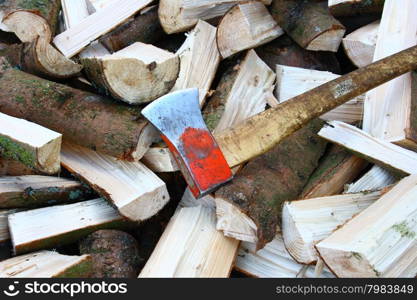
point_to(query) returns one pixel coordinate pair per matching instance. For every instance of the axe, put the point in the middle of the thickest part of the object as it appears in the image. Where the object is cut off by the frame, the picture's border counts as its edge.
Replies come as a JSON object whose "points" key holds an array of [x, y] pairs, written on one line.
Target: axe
{"points": [[205, 160]]}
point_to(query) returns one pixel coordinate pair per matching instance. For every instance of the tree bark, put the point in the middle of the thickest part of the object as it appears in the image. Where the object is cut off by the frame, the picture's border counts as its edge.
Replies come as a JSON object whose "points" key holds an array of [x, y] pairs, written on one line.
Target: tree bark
{"points": [[354, 7]]}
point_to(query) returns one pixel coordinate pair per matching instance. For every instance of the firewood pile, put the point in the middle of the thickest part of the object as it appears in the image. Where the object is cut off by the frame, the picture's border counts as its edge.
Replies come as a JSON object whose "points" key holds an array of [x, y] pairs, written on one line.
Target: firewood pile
{"points": [[323, 159]]}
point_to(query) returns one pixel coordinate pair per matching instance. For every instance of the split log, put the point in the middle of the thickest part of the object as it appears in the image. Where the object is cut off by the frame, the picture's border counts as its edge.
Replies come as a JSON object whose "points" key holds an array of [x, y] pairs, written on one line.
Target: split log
{"points": [[310, 24], [360, 44], [4, 224], [10, 167], [307, 222], [261, 187], [46, 264], [144, 28], [376, 178], [381, 152], [390, 112], [344, 8], [192, 247], [58, 225], [32, 14], [160, 159], [95, 5], [199, 58], [33, 191], [137, 74], [242, 92], [74, 11], [273, 261], [337, 168], [114, 253], [90, 120], [31, 144], [74, 39], [380, 241], [132, 188], [256, 27], [284, 51], [293, 81]]}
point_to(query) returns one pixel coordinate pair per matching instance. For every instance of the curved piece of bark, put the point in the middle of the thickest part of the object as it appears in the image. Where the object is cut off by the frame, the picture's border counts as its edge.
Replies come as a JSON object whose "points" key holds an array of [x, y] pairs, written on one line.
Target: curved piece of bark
{"points": [[279, 175], [344, 8], [48, 10], [256, 27], [360, 45], [87, 119], [144, 28], [137, 74], [35, 191], [310, 24], [284, 51]]}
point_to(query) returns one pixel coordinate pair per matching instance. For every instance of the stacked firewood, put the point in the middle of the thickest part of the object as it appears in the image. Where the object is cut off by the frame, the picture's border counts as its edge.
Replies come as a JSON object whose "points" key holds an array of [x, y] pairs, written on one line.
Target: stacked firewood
{"points": [[81, 168]]}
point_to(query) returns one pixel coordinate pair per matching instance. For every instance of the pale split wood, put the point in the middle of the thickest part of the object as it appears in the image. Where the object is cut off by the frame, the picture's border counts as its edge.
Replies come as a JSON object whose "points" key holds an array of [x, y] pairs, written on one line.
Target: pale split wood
{"points": [[381, 240], [273, 261], [307, 222], [373, 149], [4, 224], [376, 178], [35, 146], [360, 45], [131, 187], [389, 109], [293, 81], [52, 226], [199, 59], [256, 27], [74, 11], [74, 39], [160, 159], [95, 5], [45, 264]]}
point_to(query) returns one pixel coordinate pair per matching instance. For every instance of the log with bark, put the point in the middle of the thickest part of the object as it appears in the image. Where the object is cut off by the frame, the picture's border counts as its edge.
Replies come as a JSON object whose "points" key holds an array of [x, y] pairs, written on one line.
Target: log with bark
{"points": [[46, 264], [390, 112], [131, 187], [256, 27], [31, 144], [137, 74], [343, 8], [88, 119], [261, 187], [360, 44], [293, 81], [395, 158], [310, 24], [337, 168], [33, 191], [10, 167], [53, 226], [307, 222], [380, 241]]}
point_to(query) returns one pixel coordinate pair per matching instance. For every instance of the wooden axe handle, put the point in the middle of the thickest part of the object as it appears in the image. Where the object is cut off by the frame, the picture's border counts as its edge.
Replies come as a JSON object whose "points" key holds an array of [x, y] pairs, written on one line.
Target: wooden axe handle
{"points": [[260, 133]]}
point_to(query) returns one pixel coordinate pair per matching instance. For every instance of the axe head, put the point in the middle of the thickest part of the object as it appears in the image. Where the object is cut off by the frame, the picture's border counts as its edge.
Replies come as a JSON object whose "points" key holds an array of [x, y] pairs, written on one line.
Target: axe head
{"points": [[178, 117]]}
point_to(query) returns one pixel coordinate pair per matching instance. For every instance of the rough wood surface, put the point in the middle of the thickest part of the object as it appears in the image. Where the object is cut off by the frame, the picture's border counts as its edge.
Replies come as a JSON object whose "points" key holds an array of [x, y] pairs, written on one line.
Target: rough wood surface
{"points": [[390, 111], [256, 27], [381, 152], [90, 120], [10, 167], [49, 227], [144, 28], [279, 175], [136, 74], [31, 144], [160, 159], [380, 241], [343, 8], [46, 264], [310, 24], [33, 191], [307, 222], [360, 44], [376, 178], [131, 187], [74, 39], [337, 168], [4, 224], [260, 133]]}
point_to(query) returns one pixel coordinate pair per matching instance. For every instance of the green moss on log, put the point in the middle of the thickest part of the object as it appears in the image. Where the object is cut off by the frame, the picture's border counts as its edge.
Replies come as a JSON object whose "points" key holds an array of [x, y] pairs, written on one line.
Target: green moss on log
{"points": [[12, 150]]}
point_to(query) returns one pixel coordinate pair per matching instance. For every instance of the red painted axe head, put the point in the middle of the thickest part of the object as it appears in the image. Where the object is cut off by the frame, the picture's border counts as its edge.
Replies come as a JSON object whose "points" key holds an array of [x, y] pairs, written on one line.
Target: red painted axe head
{"points": [[178, 117]]}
